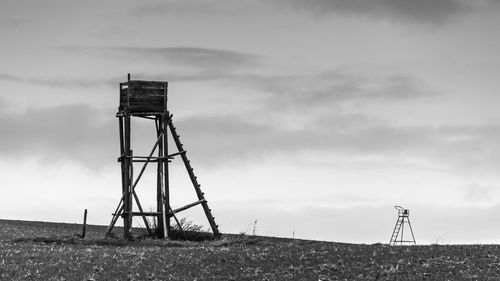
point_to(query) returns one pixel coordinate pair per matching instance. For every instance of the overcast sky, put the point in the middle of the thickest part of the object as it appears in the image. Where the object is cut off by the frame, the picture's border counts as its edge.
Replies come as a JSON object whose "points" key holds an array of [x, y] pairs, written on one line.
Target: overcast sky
{"points": [[312, 117]]}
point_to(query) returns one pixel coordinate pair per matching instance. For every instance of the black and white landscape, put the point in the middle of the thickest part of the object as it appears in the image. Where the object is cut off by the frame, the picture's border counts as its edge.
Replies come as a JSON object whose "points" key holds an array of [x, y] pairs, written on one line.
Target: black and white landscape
{"points": [[312, 117]]}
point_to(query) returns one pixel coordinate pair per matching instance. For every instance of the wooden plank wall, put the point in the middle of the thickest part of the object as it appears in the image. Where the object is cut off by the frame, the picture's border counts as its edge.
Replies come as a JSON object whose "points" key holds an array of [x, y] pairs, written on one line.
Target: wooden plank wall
{"points": [[143, 96]]}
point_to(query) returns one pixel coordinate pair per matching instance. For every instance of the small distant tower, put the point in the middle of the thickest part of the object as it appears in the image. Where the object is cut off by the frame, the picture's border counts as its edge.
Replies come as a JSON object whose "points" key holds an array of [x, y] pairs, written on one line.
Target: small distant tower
{"points": [[403, 217], [148, 100]]}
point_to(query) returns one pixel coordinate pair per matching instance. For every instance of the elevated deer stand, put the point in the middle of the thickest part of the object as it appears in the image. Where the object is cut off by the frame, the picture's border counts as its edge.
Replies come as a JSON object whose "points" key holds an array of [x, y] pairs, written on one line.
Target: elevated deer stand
{"points": [[403, 218], [148, 100]]}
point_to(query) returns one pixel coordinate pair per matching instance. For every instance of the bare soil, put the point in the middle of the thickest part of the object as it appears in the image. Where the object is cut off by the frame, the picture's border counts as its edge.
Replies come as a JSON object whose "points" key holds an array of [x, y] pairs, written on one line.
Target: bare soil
{"points": [[50, 251]]}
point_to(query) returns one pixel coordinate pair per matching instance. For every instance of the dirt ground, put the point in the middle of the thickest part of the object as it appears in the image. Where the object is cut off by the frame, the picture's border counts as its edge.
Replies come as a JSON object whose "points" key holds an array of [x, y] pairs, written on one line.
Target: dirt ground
{"points": [[48, 251]]}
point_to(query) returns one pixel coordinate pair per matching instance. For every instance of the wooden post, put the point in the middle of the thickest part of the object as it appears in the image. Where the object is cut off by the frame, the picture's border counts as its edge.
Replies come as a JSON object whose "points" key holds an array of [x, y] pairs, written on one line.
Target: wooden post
{"points": [[119, 208], [166, 191], [166, 206], [159, 180], [123, 165], [127, 200], [84, 223]]}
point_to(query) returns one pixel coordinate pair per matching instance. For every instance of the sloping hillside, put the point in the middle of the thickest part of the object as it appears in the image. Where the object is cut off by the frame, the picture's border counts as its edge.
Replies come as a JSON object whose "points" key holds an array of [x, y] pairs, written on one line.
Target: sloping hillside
{"points": [[46, 251]]}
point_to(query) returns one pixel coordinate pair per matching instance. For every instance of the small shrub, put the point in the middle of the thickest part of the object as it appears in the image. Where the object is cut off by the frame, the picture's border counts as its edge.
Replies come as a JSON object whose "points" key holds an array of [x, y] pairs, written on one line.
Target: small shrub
{"points": [[188, 226], [190, 231]]}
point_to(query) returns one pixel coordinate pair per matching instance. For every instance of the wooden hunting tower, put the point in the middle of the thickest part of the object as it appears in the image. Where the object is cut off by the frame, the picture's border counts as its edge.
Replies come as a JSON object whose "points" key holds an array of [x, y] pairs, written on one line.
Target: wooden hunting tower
{"points": [[148, 100]]}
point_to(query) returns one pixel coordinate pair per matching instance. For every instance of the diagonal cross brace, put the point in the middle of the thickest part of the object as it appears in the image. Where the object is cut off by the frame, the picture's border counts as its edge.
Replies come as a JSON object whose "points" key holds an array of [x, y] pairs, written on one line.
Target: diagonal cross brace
{"points": [[119, 208]]}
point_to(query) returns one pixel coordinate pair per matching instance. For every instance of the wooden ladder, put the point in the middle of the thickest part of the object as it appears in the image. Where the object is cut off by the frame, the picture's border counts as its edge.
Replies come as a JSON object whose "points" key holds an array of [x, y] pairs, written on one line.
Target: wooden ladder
{"points": [[194, 181]]}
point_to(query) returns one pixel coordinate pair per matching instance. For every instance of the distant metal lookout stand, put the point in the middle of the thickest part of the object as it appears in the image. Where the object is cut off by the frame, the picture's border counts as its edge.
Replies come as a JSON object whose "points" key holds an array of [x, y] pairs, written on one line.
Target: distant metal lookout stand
{"points": [[398, 232], [148, 100]]}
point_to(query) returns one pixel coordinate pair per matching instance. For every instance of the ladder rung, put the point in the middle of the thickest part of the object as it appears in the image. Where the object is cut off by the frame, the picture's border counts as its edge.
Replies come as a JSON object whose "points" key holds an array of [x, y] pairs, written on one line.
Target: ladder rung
{"points": [[187, 207], [177, 153], [146, 214]]}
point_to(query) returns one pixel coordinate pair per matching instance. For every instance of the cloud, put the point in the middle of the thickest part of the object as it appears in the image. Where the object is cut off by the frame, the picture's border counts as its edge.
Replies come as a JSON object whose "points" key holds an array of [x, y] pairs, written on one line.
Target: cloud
{"points": [[9, 77], [112, 81], [281, 91], [235, 138], [176, 7], [13, 22], [476, 193], [411, 11], [227, 139], [322, 91], [76, 133], [311, 91], [470, 148], [421, 11], [201, 59], [89, 136], [62, 82]]}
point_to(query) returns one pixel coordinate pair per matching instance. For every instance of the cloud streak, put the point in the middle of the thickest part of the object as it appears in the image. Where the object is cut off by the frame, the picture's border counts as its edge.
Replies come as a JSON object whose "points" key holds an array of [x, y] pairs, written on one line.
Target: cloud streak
{"points": [[333, 87], [432, 12], [281, 90], [76, 133], [421, 11], [61, 82], [80, 133], [175, 7], [199, 58], [467, 148], [277, 92]]}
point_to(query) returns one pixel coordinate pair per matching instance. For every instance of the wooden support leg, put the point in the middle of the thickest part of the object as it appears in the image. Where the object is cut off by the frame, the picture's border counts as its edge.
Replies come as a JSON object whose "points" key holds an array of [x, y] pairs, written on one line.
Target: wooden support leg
{"points": [[166, 202], [123, 176], [159, 181], [127, 202]]}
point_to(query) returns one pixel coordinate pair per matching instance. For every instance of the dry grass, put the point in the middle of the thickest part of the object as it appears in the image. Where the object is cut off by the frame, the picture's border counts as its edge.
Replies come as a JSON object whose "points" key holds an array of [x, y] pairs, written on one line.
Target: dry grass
{"points": [[56, 255]]}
